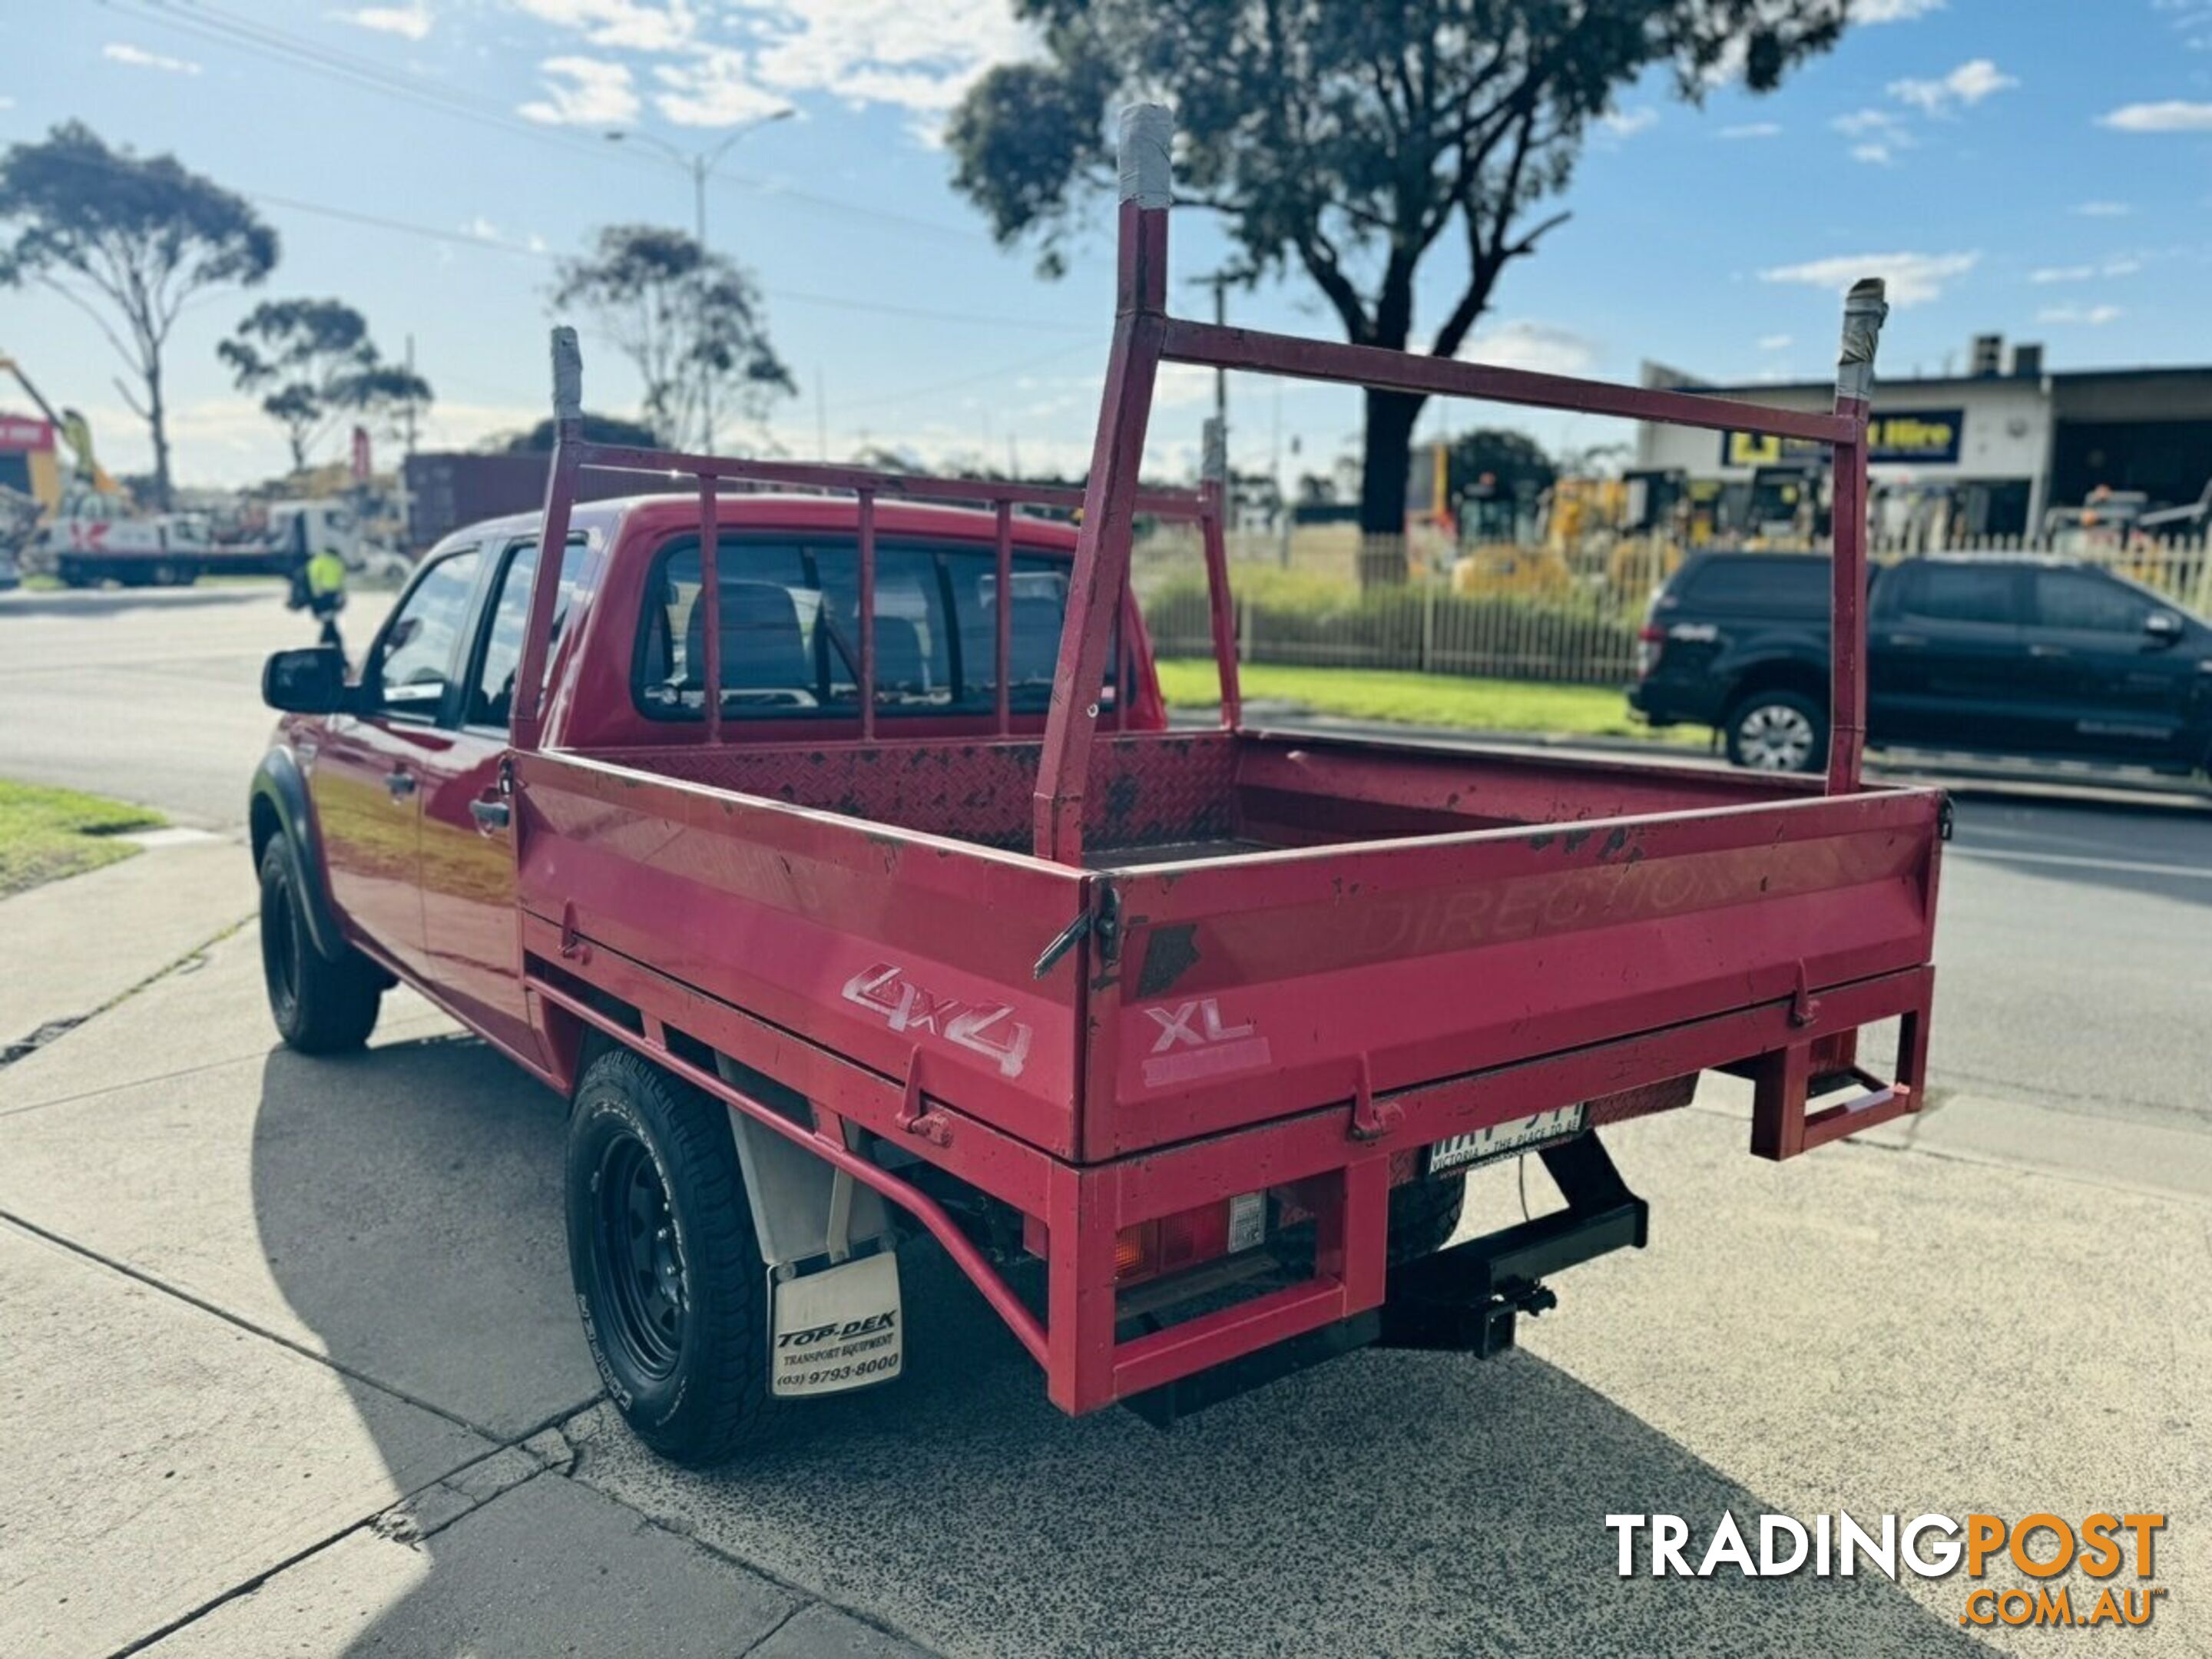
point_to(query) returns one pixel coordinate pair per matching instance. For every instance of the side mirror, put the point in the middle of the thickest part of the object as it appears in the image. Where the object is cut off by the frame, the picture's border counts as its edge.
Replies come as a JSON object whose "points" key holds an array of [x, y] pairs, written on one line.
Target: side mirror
{"points": [[2162, 628], [308, 681]]}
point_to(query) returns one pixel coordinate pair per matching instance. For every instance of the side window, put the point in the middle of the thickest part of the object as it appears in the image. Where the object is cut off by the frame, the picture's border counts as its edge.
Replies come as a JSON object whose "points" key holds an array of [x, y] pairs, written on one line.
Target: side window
{"points": [[492, 695], [415, 660], [1959, 593], [2076, 599]]}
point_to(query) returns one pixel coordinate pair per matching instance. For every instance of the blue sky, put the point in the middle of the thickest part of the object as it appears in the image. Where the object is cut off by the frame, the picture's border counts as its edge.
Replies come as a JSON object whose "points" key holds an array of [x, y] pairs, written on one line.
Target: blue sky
{"points": [[2041, 167]]}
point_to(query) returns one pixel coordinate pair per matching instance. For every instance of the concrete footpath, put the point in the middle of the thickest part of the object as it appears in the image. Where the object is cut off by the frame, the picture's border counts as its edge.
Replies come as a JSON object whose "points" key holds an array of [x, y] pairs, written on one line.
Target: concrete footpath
{"points": [[74, 946], [288, 1345], [290, 1364]]}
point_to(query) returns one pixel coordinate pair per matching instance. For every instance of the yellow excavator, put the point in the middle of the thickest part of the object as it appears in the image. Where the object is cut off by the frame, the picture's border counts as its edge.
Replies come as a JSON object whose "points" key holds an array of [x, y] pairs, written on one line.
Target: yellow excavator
{"points": [[86, 472]]}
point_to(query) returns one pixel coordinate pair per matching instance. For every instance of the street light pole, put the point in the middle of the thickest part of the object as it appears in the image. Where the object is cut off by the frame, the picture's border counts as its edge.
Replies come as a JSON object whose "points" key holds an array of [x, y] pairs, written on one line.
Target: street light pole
{"points": [[701, 165]]}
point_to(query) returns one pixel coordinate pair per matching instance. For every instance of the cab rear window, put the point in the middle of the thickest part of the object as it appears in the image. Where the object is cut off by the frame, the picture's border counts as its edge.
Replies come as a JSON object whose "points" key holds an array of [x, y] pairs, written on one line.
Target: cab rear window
{"points": [[790, 633]]}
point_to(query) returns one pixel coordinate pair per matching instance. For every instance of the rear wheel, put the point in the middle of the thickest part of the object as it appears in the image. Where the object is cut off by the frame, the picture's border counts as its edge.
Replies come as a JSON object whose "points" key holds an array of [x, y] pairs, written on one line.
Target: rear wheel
{"points": [[668, 1270], [1777, 731], [320, 1006]]}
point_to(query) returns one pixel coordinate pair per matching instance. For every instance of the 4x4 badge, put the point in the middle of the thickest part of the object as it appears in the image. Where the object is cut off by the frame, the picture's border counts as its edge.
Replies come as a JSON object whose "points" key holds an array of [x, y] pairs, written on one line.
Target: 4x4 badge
{"points": [[990, 1029]]}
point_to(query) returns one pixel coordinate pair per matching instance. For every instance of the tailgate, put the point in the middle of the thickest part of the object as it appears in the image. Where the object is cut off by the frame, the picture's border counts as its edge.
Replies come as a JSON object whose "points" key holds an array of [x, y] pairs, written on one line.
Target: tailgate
{"points": [[1249, 989]]}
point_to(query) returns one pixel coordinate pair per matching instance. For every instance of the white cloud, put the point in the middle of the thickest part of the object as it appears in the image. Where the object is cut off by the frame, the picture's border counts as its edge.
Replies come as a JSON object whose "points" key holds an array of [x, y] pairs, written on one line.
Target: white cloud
{"points": [[1627, 123], [1913, 278], [1753, 129], [1892, 11], [923, 57], [1966, 85], [2103, 210], [630, 25], [2174, 115], [6, 102], [2116, 267], [1181, 386], [1775, 342], [2093, 316], [714, 89], [583, 92], [119, 51], [1880, 155], [1860, 122], [412, 21], [920, 58], [1543, 347]]}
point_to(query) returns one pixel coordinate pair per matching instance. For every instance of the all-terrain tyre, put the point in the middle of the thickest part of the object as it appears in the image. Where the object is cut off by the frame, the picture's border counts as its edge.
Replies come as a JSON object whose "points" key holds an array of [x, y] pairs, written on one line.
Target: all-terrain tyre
{"points": [[320, 1006], [666, 1266], [1777, 731]]}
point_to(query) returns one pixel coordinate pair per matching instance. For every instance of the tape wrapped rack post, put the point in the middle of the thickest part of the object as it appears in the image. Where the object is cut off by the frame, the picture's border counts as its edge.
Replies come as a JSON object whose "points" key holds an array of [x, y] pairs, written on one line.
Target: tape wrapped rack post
{"points": [[1865, 309], [1148, 132]]}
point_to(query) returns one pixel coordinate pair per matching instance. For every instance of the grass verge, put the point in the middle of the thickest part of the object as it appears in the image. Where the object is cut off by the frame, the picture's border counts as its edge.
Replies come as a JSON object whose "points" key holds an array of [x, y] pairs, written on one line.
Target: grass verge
{"points": [[1447, 699], [46, 834]]}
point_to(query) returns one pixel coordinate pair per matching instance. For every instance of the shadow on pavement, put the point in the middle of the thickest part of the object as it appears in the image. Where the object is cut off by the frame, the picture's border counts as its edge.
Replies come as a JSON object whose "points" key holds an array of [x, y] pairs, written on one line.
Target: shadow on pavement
{"points": [[1386, 1502], [409, 1205]]}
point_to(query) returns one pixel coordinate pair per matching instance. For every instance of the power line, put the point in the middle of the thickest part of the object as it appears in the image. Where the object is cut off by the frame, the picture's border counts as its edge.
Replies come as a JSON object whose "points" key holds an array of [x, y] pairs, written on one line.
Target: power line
{"points": [[495, 245], [960, 381], [209, 23]]}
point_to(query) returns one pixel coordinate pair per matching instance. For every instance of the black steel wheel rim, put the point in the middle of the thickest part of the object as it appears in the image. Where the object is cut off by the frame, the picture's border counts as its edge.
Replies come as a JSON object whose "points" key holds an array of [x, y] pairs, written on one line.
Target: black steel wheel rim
{"points": [[640, 1262], [280, 948]]}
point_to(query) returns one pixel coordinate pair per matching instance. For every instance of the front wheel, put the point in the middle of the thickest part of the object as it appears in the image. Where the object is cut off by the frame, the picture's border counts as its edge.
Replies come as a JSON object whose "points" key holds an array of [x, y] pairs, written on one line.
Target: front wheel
{"points": [[668, 1270], [1777, 732], [320, 1006]]}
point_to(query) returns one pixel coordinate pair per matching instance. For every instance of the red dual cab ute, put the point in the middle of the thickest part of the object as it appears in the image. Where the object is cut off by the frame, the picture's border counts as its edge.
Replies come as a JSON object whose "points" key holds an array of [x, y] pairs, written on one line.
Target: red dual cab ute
{"points": [[829, 853]]}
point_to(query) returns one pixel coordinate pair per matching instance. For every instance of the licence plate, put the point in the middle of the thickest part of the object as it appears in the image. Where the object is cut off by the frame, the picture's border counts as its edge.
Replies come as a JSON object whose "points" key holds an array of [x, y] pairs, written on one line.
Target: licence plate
{"points": [[1518, 1134]]}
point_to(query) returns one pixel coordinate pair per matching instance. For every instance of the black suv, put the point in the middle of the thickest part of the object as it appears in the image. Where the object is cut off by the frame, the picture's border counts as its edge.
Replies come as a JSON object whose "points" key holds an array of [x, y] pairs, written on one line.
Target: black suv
{"points": [[2004, 655]]}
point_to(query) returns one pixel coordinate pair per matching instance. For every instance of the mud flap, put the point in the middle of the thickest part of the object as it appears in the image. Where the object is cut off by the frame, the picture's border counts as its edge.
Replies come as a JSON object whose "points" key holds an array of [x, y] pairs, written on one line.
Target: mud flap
{"points": [[802, 1207], [839, 1327]]}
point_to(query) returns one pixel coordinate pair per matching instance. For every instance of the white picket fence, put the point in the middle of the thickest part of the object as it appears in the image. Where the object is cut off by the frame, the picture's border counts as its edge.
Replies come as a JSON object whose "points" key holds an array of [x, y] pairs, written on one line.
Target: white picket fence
{"points": [[1512, 612]]}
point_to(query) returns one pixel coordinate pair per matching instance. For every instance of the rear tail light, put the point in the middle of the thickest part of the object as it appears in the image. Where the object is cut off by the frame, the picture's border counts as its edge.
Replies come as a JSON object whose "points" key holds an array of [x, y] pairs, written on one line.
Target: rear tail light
{"points": [[1649, 639], [1184, 1240]]}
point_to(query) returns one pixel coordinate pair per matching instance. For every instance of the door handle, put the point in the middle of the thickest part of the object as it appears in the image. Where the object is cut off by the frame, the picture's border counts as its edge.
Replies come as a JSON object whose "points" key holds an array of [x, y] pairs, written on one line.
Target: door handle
{"points": [[490, 814], [2048, 651], [1908, 639], [400, 781]]}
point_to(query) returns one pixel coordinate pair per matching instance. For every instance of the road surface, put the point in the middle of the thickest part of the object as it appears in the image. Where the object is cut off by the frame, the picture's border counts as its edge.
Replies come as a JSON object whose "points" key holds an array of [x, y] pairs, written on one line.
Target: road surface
{"points": [[322, 1389], [2076, 943]]}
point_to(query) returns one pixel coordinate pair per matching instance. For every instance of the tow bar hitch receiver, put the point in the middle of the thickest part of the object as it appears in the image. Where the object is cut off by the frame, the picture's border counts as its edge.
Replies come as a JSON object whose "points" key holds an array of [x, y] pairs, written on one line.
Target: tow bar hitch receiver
{"points": [[1467, 1299]]}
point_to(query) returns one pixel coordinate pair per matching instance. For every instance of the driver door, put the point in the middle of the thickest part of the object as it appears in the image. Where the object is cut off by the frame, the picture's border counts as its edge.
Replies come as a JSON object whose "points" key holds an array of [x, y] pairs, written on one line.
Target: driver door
{"points": [[472, 939], [365, 777]]}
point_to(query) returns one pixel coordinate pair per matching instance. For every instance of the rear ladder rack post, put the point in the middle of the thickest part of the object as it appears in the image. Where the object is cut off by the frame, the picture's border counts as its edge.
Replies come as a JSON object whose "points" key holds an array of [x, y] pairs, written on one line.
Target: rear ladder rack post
{"points": [[710, 595], [1099, 589], [1214, 492], [867, 602], [1864, 311], [1003, 614], [528, 712]]}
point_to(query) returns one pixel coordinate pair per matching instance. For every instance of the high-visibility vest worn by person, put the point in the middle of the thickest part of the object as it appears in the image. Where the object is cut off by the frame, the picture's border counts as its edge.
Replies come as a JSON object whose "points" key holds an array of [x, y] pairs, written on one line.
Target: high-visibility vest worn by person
{"points": [[325, 577]]}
